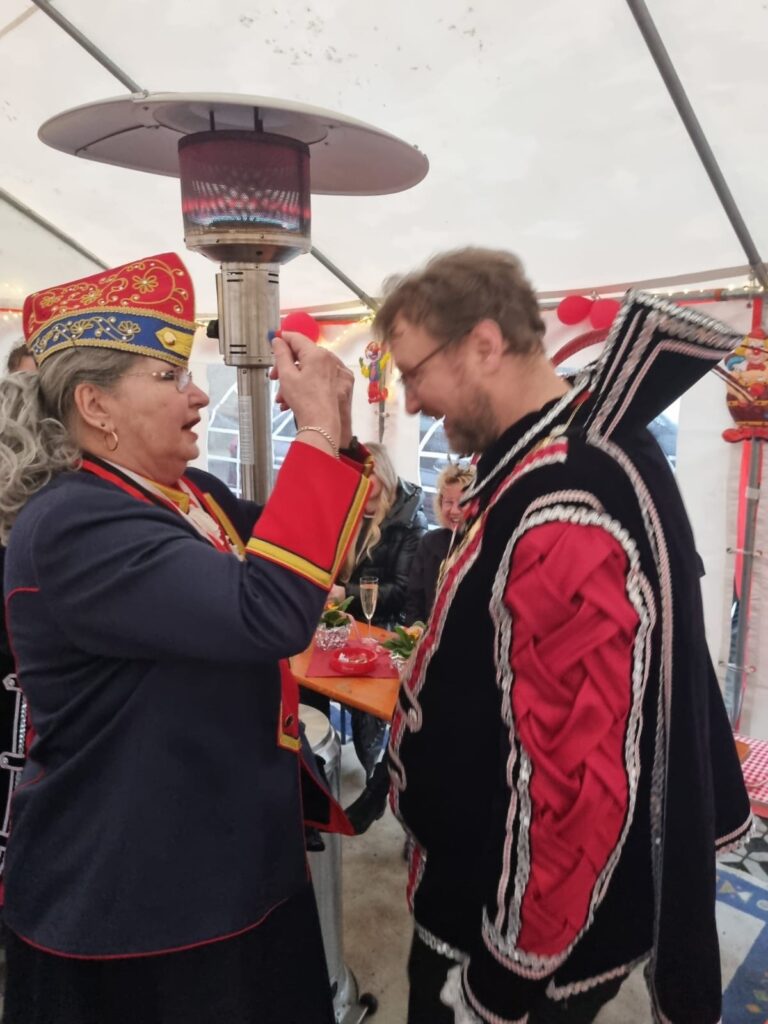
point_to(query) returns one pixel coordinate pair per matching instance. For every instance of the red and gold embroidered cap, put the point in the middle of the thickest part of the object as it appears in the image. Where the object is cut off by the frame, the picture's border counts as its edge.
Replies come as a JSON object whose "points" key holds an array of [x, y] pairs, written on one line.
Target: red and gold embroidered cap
{"points": [[146, 308]]}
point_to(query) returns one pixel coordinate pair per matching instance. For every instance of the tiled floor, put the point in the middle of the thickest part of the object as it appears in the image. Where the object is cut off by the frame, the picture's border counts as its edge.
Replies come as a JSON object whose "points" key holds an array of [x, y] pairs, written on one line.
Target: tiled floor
{"points": [[754, 858]]}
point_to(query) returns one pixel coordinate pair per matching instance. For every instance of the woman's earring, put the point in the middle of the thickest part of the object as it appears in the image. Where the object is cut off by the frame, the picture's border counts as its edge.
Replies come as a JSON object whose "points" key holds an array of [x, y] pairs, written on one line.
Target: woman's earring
{"points": [[113, 435]]}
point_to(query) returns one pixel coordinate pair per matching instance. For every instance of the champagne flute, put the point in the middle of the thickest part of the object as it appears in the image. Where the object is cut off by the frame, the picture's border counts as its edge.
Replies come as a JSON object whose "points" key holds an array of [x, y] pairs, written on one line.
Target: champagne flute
{"points": [[369, 594]]}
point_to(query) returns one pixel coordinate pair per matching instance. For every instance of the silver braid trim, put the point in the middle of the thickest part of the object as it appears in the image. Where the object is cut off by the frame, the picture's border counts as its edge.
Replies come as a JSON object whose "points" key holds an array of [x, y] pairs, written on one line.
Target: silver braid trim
{"points": [[558, 992], [690, 333], [472, 1003], [537, 429], [438, 945], [735, 839]]}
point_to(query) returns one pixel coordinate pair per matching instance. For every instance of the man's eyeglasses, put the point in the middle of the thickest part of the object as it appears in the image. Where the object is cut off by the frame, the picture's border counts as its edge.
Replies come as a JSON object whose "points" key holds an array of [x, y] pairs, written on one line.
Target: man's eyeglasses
{"points": [[408, 378], [180, 374]]}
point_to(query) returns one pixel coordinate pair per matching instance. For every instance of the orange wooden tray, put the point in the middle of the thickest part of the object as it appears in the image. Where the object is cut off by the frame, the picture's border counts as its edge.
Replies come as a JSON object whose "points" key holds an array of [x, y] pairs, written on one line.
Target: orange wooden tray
{"points": [[368, 693]]}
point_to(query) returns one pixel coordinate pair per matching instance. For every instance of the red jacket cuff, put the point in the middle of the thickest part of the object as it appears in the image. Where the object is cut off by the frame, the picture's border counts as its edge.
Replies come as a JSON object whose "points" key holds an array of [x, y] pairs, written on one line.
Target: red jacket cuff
{"points": [[309, 520]]}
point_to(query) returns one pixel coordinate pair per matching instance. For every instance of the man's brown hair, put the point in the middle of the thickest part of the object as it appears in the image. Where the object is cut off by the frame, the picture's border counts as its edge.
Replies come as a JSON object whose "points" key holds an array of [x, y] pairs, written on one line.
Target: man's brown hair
{"points": [[458, 289]]}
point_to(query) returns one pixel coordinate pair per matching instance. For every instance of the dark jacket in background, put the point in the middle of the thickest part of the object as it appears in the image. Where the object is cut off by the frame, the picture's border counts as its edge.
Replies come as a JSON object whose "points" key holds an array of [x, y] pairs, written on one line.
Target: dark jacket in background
{"points": [[12, 727], [391, 559], [6, 661], [425, 569]]}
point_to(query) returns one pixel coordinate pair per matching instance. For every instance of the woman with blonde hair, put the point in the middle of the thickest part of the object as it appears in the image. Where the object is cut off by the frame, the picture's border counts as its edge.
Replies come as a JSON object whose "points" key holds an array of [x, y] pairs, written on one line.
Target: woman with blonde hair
{"points": [[393, 524], [435, 545]]}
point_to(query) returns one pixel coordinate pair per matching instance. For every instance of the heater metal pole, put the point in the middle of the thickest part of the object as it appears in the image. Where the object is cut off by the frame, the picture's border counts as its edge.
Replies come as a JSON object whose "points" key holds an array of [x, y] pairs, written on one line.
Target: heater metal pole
{"points": [[249, 308]]}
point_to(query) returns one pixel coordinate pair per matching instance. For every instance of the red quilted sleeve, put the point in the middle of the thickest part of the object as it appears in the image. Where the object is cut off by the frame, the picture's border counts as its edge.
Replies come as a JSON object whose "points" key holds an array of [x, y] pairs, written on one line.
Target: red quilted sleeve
{"points": [[572, 661]]}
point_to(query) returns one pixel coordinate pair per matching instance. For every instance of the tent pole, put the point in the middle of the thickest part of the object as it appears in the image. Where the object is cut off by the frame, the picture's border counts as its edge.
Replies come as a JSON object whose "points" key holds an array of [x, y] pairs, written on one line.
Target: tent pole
{"points": [[85, 42], [372, 304], [675, 88], [30, 214]]}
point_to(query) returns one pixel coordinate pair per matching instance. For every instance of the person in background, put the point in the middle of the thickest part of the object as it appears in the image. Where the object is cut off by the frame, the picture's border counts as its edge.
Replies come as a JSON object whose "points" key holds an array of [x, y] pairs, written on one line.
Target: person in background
{"points": [[560, 753], [21, 360], [156, 869], [435, 544], [393, 524]]}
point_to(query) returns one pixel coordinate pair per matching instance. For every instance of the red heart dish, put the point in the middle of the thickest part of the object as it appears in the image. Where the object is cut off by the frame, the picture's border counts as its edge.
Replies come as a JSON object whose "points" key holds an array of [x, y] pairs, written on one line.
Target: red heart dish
{"points": [[353, 661]]}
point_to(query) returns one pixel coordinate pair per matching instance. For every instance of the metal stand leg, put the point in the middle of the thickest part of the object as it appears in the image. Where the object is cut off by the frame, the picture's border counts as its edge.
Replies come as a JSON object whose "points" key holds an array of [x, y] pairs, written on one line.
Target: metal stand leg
{"points": [[343, 720], [350, 1007]]}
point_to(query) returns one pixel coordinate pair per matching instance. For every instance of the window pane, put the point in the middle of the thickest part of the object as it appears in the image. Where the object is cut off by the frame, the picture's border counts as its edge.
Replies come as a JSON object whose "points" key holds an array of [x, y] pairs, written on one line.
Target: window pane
{"points": [[223, 427]]}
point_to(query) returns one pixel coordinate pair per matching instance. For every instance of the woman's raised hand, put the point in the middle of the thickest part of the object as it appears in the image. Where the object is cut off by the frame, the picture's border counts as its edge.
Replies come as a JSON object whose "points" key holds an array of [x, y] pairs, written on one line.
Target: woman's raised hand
{"points": [[314, 384]]}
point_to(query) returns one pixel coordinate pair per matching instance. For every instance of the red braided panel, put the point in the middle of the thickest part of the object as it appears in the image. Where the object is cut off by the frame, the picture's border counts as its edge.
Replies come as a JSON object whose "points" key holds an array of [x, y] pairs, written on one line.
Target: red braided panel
{"points": [[573, 629]]}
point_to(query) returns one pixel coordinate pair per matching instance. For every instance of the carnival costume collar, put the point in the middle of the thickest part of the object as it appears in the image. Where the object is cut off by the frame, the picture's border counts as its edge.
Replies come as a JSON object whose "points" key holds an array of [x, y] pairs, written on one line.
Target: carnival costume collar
{"points": [[198, 509]]}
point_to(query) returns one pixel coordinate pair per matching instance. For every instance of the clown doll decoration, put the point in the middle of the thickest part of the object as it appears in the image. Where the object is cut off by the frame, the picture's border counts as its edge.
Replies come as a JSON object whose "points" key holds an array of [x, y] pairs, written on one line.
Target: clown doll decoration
{"points": [[374, 367], [749, 366]]}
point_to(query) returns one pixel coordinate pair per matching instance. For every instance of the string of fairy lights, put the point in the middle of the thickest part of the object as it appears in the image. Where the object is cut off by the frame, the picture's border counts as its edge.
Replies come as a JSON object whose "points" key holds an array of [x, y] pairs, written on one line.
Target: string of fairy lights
{"points": [[11, 299]]}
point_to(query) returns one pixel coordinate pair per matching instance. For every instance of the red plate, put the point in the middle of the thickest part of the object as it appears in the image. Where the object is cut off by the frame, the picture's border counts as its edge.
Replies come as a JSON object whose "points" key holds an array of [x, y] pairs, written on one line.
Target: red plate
{"points": [[353, 661]]}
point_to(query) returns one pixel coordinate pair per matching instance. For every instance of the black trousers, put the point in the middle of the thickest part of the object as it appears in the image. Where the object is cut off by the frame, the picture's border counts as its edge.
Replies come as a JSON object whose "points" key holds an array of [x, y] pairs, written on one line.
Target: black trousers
{"points": [[272, 974], [427, 971]]}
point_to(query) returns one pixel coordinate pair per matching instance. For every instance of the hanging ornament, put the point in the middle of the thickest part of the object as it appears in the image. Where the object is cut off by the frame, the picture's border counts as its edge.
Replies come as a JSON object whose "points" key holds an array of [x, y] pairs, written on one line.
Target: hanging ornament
{"points": [[747, 365], [603, 313], [374, 368], [573, 309], [302, 323]]}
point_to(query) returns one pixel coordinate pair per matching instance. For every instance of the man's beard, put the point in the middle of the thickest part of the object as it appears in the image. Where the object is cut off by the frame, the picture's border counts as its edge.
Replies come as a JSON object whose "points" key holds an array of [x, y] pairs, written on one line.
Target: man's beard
{"points": [[474, 429]]}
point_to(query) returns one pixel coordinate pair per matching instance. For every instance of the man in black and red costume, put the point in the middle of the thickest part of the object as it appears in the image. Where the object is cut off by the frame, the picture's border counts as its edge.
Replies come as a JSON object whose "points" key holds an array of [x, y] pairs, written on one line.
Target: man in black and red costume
{"points": [[560, 754]]}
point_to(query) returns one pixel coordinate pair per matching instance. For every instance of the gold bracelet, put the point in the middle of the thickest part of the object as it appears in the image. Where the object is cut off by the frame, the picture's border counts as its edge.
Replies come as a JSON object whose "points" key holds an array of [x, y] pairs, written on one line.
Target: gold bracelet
{"points": [[322, 433]]}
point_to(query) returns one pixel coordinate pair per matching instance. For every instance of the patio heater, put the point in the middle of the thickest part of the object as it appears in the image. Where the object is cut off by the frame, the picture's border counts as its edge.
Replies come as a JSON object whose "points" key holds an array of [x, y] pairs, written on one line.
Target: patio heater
{"points": [[248, 166]]}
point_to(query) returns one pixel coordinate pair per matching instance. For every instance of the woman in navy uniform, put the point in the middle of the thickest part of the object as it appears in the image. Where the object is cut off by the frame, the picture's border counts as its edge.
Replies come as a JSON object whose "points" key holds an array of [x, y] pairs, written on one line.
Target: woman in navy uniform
{"points": [[156, 871]]}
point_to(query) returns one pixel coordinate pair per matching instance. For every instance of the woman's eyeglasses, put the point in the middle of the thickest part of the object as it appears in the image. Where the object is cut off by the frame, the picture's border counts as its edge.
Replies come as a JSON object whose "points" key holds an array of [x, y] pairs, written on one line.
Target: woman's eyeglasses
{"points": [[180, 374]]}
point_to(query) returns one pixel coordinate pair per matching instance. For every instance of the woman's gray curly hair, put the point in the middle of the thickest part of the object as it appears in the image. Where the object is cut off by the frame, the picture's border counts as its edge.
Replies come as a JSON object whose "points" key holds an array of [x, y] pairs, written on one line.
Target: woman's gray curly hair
{"points": [[37, 413]]}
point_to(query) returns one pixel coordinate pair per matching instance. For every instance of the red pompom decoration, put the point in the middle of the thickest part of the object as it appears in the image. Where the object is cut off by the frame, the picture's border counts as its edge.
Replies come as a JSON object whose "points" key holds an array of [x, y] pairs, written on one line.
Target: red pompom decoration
{"points": [[302, 323], [573, 309], [603, 313]]}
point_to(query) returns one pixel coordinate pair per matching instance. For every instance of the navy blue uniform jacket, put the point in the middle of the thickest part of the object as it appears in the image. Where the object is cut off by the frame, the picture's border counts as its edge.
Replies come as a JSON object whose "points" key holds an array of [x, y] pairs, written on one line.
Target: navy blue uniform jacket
{"points": [[160, 805]]}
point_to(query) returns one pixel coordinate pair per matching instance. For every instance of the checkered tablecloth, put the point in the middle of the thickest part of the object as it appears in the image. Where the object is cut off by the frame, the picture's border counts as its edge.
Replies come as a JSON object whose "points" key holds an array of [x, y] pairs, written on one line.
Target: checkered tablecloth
{"points": [[755, 770]]}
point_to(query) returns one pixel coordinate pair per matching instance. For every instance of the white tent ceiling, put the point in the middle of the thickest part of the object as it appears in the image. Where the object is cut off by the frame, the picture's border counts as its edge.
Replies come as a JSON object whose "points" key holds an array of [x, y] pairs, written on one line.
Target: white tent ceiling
{"points": [[547, 127]]}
